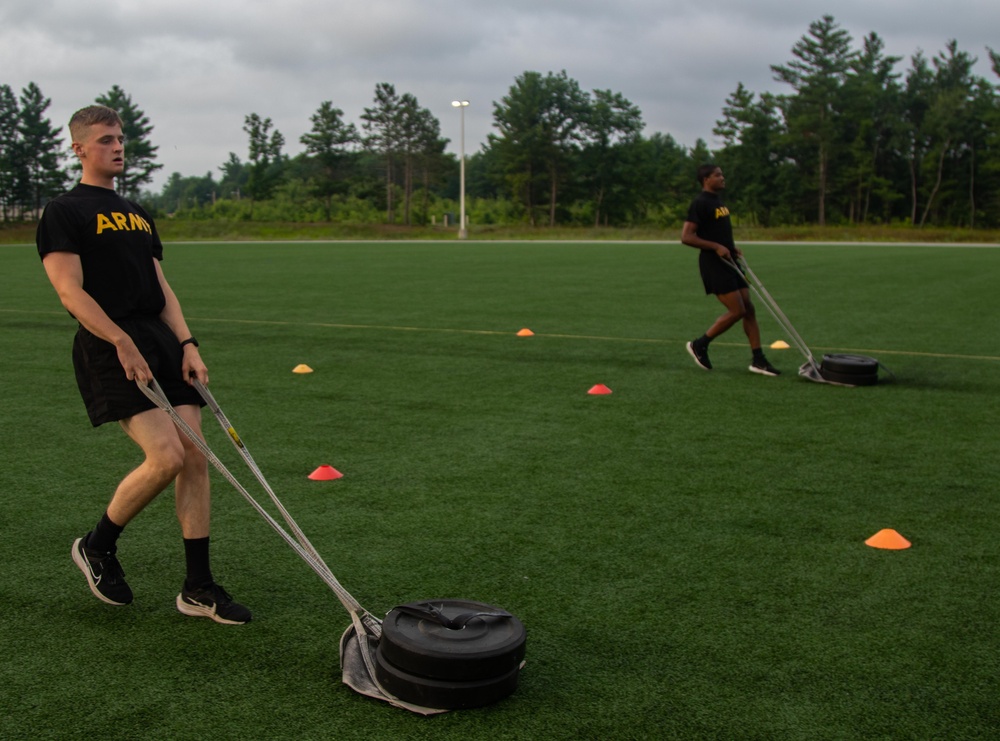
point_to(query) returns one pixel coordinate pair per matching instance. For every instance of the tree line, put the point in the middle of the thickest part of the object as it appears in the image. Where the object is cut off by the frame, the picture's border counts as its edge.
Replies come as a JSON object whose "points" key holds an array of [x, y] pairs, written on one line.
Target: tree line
{"points": [[855, 141], [36, 165], [851, 139]]}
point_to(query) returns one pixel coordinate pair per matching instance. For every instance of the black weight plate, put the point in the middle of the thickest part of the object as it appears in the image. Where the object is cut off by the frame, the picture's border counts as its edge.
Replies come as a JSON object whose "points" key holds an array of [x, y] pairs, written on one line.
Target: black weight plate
{"points": [[440, 693], [860, 364], [486, 647], [850, 379]]}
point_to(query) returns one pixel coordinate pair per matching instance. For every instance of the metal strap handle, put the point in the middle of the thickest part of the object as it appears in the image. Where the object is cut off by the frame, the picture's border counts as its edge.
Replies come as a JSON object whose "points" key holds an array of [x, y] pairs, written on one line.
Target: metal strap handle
{"points": [[741, 267], [154, 392], [241, 448]]}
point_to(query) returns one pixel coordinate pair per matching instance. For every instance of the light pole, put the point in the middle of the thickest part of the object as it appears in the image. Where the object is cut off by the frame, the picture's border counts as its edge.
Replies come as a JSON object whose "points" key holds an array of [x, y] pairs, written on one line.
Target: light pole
{"points": [[462, 233]]}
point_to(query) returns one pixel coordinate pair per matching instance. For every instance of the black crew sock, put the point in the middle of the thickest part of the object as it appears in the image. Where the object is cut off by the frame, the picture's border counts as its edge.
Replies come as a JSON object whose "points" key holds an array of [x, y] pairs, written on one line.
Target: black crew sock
{"points": [[199, 574], [703, 341], [104, 537], [758, 354]]}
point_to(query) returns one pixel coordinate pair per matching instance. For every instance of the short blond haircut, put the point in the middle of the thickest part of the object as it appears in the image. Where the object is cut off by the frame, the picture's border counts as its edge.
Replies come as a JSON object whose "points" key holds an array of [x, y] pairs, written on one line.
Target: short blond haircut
{"points": [[92, 115]]}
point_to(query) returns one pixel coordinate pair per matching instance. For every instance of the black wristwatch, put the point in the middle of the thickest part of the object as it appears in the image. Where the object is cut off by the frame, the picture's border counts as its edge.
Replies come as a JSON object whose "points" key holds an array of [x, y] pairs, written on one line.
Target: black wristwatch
{"points": [[190, 341]]}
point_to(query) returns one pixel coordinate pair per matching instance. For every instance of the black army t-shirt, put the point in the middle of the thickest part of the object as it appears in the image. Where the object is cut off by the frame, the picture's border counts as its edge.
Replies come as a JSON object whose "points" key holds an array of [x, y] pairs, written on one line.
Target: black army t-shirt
{"points": [[712, 217], [117, 243]]}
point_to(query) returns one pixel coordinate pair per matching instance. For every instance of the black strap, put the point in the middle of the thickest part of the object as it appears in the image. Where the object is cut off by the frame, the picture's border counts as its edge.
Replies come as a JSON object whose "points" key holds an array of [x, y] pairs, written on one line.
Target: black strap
{"points": [[428, 611]]}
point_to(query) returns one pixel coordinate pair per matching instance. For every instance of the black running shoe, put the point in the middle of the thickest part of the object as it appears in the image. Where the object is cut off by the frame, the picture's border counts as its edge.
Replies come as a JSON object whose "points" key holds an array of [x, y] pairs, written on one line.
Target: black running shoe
{"points": [[700, 355], [104, 574], [213, 602], [763, 367]]}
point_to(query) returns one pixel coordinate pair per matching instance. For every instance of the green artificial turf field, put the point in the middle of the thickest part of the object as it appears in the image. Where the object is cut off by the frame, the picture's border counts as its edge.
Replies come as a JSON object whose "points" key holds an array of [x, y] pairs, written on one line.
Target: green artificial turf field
{"points": [[687, 553]]}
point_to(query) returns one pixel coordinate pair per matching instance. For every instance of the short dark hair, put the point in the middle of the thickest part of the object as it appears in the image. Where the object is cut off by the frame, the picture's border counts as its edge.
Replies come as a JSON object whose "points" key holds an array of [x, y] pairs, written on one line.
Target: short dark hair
{"points": [[704, 171], [84, 118]]}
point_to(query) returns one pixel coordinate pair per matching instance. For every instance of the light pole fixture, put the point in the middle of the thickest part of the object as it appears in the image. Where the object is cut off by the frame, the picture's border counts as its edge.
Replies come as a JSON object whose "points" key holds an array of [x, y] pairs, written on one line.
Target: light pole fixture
{"points": [[462, 233]]}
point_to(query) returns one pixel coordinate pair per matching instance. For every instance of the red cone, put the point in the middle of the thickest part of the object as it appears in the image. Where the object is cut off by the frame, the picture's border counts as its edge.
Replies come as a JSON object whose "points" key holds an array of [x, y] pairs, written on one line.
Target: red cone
{"points": [[325, 473]]}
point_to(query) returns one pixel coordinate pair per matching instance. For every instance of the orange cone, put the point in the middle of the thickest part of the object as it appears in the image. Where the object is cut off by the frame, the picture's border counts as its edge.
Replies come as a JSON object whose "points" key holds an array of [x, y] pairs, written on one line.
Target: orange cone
{"points": [[325, 473], [302, 369], [888, 539], [525, 333], [599, 389]]}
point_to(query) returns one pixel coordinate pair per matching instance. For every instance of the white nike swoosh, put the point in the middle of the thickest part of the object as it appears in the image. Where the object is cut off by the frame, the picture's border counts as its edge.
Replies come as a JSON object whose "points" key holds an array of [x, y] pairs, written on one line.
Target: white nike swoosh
{"points": [[95, 577]]}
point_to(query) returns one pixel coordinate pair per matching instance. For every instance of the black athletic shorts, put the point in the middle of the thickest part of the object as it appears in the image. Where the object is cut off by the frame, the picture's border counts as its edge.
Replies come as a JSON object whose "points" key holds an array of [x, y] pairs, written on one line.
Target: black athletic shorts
{"points": [[719, 276], [107, 393]]}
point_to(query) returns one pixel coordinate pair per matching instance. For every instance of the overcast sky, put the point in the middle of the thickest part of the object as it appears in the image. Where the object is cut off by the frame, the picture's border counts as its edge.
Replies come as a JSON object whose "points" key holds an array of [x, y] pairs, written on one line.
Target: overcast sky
{"points": [[198, 67]]}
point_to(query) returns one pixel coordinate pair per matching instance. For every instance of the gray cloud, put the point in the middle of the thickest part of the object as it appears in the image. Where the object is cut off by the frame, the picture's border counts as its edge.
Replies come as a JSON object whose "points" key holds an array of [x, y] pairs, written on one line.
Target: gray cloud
{"points": [[198, 68]]}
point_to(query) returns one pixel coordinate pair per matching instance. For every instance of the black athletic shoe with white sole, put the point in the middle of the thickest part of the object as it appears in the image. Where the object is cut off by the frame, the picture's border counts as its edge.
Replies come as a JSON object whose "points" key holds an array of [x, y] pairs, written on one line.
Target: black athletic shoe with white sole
{"points": [[104, 574], [213, 602], [763, 367], [700, 355]]}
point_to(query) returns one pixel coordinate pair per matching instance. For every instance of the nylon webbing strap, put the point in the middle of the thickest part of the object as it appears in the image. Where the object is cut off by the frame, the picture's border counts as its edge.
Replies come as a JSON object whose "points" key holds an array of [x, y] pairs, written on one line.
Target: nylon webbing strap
{"points": [[771, 305], [300, 544], [427, 611]]}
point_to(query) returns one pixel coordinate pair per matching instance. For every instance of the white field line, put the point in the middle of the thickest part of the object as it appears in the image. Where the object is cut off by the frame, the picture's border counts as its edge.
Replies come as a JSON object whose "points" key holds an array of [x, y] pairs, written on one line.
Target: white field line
{"points": [[513, 333]]}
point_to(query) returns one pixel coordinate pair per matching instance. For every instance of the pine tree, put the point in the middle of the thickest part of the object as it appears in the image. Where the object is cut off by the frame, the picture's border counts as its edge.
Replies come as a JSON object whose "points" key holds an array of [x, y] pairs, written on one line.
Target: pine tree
{"points": [[540, 121], [328, 146], [822, 61], [42, 150], [382, 124], [265, 169], [13, 170], [140, 154], [612, 126]]}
